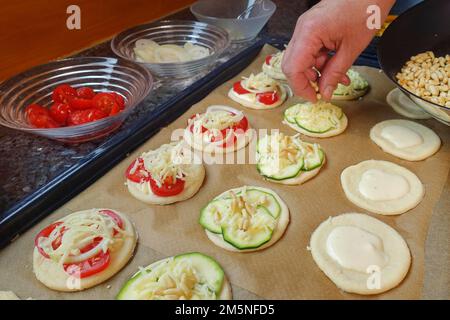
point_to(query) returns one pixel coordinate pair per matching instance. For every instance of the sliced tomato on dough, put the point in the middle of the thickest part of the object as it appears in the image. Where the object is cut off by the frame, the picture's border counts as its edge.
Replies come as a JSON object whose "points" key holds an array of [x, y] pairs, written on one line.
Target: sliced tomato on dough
{"points": [[239, 89], [268, 98], [136, 171], [168, 188]]}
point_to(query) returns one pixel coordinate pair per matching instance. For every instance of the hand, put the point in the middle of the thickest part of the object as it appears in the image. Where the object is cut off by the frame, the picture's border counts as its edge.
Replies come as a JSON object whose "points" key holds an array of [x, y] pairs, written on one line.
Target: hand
{"points": [[331, 25]]}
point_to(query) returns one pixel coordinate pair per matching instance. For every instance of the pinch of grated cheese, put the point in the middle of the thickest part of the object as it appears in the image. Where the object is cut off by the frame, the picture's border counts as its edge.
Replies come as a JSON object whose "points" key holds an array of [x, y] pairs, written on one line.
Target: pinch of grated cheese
{"points": [[80, 230], [164, 162], [214, 121], [259, 83]]}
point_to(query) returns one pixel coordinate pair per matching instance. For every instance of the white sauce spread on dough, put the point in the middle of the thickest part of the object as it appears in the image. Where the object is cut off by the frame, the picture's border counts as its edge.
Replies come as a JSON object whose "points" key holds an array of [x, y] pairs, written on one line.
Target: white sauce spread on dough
{"points": [[401, 137], [378, 185], [356, 249]]}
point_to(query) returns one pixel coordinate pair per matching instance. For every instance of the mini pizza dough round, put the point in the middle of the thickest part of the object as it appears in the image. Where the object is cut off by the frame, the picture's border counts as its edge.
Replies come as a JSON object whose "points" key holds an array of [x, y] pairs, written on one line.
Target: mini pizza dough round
{"points": [[301, 178], [351, 177], [334, 132], [404, 106], [282, 223], [253, 104], [193, 182], [8, 295], [429, 146], [242, 142], [52, 275], [395, 247]]}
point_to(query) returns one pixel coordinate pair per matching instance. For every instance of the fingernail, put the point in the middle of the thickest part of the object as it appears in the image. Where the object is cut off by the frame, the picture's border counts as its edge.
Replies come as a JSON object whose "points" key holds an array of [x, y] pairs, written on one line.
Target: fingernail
{"points": [[328, 92]]}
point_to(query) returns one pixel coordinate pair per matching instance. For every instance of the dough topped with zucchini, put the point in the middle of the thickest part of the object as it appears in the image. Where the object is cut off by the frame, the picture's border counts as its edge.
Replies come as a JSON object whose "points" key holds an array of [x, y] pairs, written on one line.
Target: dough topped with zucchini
{"points": [[83, 249], [165, 175], [221, 129], [258, 92], [189, 276], [245, 219], [287, 159], [357, 88], [319, 120], [272, 66]]}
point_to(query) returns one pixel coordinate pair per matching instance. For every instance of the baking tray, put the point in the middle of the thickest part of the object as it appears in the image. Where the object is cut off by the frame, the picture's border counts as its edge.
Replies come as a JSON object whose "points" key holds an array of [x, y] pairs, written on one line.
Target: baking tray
{"points": [[67, 185]]}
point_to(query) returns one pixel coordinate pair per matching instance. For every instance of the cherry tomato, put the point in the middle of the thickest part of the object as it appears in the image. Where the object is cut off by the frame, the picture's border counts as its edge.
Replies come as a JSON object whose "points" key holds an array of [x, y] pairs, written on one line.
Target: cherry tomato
{"points": [[168, 187], [268, 58], [90, 266], [119, 100], [63, 93], [77, 117], [60, 112], [237, 87], [268, 97], [39, 117], [139, 174], [81, 103], [85, 93], [115, 110], [104, 101], [94, 114], [44, 233]]}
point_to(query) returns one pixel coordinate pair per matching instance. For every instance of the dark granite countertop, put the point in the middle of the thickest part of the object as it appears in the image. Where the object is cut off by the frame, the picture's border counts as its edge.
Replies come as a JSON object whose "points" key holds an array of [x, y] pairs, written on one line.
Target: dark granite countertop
{"points": [[28, 162]]}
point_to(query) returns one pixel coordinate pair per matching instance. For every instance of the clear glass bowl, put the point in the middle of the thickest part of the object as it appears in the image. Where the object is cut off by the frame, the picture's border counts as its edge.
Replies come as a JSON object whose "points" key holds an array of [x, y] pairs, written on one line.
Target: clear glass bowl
{"points": [[173, 32], [128, 79], [224, 14]]}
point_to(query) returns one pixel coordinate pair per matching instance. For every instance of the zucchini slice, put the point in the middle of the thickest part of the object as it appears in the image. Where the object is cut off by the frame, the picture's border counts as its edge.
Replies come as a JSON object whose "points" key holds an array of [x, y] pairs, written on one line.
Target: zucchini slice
{"points": [[255, 236], [207, 268], [270, 204], [291, 171], [216, 208], [291, 112], [311, 161]]}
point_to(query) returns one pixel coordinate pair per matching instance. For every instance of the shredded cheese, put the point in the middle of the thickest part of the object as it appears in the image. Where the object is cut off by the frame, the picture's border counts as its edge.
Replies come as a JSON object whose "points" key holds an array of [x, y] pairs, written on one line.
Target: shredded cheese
{"points": [[321, 114], [259, 83], [276, 59], [172, 280], [166, 161], [79, 230]]}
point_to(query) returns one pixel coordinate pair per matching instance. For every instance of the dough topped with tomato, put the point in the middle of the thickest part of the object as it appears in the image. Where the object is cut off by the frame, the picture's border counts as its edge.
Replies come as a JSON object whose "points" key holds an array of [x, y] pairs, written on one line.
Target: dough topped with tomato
{"points": [[83, 249], [165, 175], [258, 92], [220, 129], [272, 66]]}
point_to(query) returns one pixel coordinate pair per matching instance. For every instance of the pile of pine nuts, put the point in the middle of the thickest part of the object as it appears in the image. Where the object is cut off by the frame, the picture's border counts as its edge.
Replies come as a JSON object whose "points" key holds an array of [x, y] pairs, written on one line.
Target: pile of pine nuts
{"points": [[427, 76]]}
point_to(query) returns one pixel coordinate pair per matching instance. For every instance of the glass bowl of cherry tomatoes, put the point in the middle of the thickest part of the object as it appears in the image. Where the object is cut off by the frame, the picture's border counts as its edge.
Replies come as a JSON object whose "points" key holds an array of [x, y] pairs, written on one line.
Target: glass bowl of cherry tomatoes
{"points": [[73, 100]]}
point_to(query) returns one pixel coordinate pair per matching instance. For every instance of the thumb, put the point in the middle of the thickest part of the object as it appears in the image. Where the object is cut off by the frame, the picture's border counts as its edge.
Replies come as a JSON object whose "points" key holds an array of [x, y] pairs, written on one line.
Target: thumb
{"points": [[334, 72]]}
